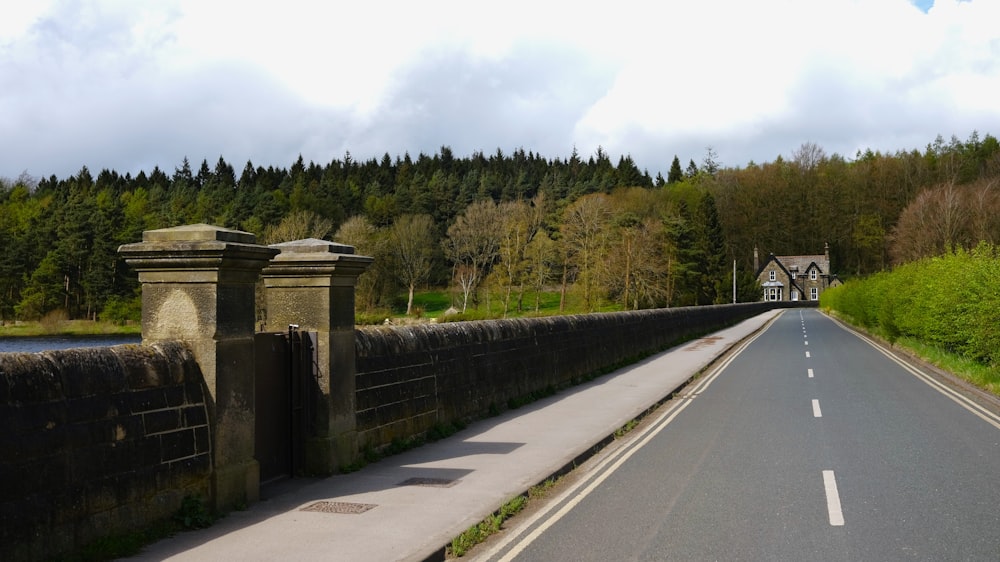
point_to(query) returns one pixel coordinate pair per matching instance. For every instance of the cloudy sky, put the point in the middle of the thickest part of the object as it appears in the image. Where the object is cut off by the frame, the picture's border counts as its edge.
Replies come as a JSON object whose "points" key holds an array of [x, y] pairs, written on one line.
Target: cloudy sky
{"points": [[129, 85]]}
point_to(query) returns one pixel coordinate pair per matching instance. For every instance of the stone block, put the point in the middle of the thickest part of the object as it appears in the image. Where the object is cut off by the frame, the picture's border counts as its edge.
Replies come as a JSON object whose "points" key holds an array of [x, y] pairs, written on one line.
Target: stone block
{"points": [[177, 445], [147, 399], [161, 421], [194, 415]]}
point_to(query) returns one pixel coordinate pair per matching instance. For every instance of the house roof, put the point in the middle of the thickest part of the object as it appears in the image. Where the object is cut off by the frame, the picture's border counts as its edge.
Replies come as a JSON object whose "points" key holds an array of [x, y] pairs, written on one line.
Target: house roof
{"points": [[800, 264]]}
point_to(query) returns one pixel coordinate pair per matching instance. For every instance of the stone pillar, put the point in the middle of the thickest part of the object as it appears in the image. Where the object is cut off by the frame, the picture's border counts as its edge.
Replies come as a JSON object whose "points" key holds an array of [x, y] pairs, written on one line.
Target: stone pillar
{"points": [[198, 287], [311, 284]]}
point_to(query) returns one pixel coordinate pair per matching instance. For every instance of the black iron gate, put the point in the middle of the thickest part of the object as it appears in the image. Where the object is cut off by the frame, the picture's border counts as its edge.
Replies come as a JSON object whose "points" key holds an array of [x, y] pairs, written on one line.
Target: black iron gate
{"points": [[283, 378]]}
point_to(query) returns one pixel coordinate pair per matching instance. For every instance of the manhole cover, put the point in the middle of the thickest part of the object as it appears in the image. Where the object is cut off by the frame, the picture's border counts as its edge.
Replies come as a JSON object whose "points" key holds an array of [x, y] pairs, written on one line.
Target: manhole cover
{"points": [[338, 507], [432, 482]]}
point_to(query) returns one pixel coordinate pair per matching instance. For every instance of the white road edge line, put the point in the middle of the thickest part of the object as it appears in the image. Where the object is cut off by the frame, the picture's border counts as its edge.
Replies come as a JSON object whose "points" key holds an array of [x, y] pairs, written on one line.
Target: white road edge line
{"points": [[816, 411], [607, 466], [833, 499]]}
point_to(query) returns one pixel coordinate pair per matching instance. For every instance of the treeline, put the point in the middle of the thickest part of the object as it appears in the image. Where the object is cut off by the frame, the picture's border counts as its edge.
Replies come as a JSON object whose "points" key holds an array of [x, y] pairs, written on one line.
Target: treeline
{"points": [[793, 206], [604, 232]]}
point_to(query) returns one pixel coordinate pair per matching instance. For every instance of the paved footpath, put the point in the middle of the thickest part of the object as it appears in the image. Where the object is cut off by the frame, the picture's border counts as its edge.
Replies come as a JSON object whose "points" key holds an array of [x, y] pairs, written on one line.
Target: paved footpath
{"points": [[410, 506]]}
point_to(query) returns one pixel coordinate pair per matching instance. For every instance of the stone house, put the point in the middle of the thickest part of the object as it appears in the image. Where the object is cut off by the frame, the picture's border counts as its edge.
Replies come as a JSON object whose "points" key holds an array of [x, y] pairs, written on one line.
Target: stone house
{"points": [[793, 278]]}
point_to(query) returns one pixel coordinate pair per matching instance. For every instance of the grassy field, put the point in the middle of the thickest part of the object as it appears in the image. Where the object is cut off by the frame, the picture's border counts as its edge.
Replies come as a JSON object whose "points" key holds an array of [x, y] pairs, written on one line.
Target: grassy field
{"points": [[433, 304], [67, 328]]}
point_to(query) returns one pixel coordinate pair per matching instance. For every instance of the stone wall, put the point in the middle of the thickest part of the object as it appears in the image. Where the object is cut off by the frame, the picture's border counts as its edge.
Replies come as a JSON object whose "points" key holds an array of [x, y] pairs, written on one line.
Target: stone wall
{"points": [[97, 442], [411, 378]]}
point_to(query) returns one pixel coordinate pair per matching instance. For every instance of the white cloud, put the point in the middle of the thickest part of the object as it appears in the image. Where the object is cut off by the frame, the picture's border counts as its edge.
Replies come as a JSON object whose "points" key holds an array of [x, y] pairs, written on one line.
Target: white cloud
{"points": [[126, 85]]}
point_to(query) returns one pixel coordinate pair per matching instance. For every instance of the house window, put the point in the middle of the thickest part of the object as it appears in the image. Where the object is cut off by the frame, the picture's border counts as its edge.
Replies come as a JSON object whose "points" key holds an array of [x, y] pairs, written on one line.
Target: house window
{"points": [[814, 294], [772, 294], [795, 295], [773, 276], [812, 274]]}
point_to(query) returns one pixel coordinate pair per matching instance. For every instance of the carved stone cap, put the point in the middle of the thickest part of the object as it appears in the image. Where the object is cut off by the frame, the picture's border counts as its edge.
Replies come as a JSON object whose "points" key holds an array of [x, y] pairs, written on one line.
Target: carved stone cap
{"points": [[197, 233], [303, 262], [197, 253], [313, 245]]}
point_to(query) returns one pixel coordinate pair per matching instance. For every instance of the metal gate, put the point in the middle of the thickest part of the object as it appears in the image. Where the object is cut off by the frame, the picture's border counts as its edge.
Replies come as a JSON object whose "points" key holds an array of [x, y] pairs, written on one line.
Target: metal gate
{"points": [[283, 380]]}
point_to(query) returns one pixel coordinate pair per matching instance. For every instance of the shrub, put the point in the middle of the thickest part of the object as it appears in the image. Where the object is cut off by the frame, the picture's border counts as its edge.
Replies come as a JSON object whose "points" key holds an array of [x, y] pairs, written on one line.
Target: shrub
{"points": [[950, 301]]}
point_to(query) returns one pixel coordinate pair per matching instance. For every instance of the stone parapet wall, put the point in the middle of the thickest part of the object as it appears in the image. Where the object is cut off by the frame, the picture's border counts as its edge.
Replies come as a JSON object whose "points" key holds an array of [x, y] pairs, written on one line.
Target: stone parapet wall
{"points": [[411, 378], [96, 442]]}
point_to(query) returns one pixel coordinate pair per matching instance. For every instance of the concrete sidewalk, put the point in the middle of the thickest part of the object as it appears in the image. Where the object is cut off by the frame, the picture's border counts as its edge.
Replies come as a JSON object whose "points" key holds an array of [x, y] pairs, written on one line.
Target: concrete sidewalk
{"points": [[410, 506]]}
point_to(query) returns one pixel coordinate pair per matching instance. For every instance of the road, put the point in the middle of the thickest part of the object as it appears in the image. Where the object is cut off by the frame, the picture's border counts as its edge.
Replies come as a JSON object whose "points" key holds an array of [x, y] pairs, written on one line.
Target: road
{"points": [[807, 444]]}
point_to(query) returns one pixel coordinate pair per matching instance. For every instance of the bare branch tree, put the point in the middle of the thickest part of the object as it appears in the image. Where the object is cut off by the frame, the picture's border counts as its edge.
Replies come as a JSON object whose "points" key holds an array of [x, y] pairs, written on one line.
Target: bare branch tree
{"points": [[411, 240], [472, 244]]}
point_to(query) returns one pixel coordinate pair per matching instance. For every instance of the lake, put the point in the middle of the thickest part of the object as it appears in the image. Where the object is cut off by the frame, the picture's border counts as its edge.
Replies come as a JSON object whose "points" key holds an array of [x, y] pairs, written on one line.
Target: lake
{"points": [[47, 343]]}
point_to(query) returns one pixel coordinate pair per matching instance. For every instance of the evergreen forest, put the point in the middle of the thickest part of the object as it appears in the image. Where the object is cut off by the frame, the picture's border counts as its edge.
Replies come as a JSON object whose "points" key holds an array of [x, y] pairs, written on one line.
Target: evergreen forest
{"points": [[505, 227]]}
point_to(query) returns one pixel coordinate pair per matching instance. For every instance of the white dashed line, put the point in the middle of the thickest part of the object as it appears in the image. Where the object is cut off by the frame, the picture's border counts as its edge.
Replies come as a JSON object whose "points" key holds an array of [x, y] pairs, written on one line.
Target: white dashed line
{"points": [[816, 411], [833, 499], [807, 355], [810, 373]]}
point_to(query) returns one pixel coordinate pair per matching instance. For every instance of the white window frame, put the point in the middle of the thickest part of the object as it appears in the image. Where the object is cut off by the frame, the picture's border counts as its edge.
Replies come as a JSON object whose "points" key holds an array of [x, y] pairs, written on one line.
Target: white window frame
{"points": [[812, 274], [773, 276], [814, 294]]}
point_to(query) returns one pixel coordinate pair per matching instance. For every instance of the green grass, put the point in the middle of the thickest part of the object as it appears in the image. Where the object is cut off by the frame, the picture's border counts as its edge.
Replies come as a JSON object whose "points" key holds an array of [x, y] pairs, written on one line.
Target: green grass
{"points": [[432, 304], [68, 328], [478, 533], [481, 531], [983, 376]]}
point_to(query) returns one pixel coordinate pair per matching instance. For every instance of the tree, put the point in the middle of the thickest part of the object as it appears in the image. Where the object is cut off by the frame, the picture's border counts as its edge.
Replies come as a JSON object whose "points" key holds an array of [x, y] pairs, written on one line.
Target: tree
{"points": [[675, 174], [412, 240], [45, 291], [710, 165], [367, 240], [711, 250], [692, 169], [944, 218], [635, 265], [808, 156], [519, 222], [472, 244], [297, 226], [584, 238], [541, 257], [680, 258]]}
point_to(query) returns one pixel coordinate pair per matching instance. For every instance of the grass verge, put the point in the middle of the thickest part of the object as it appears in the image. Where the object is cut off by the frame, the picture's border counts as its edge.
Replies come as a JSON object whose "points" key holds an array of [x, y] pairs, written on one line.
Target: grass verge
{"points": [[481, 531], [983, 376]]}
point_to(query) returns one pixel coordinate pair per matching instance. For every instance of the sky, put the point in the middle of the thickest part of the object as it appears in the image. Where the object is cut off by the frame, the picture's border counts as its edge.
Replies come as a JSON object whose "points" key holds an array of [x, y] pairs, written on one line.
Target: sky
{"points": [[125, 85]]}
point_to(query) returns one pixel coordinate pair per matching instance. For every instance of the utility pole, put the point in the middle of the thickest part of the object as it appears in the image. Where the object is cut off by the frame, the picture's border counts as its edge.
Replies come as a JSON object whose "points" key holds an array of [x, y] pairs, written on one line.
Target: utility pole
{"points": [[734, 281]]}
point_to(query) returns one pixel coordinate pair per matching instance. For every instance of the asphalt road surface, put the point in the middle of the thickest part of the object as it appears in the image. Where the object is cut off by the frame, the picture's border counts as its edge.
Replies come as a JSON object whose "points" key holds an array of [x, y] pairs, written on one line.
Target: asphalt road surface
{"points": [[809, 443]]}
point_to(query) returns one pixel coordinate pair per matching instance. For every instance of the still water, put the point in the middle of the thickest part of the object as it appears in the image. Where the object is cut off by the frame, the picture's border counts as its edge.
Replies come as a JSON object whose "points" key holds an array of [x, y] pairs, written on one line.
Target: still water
{"points": [[46, 343]]}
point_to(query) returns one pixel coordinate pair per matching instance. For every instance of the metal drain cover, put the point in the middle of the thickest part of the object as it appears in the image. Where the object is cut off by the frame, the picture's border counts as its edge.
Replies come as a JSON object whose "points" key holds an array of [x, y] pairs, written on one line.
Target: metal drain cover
{"points": [[346, 508], [432, 482]]}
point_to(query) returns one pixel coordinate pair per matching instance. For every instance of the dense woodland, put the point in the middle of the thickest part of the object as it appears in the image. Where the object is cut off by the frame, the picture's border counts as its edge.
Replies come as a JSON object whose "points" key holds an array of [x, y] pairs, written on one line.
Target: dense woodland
{"points": [[503, 227]]}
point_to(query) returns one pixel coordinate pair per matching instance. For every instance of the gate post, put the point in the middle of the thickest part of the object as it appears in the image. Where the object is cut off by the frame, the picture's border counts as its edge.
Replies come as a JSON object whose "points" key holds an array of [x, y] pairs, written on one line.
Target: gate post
{"points": [[198, 287], [311, 284]]}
